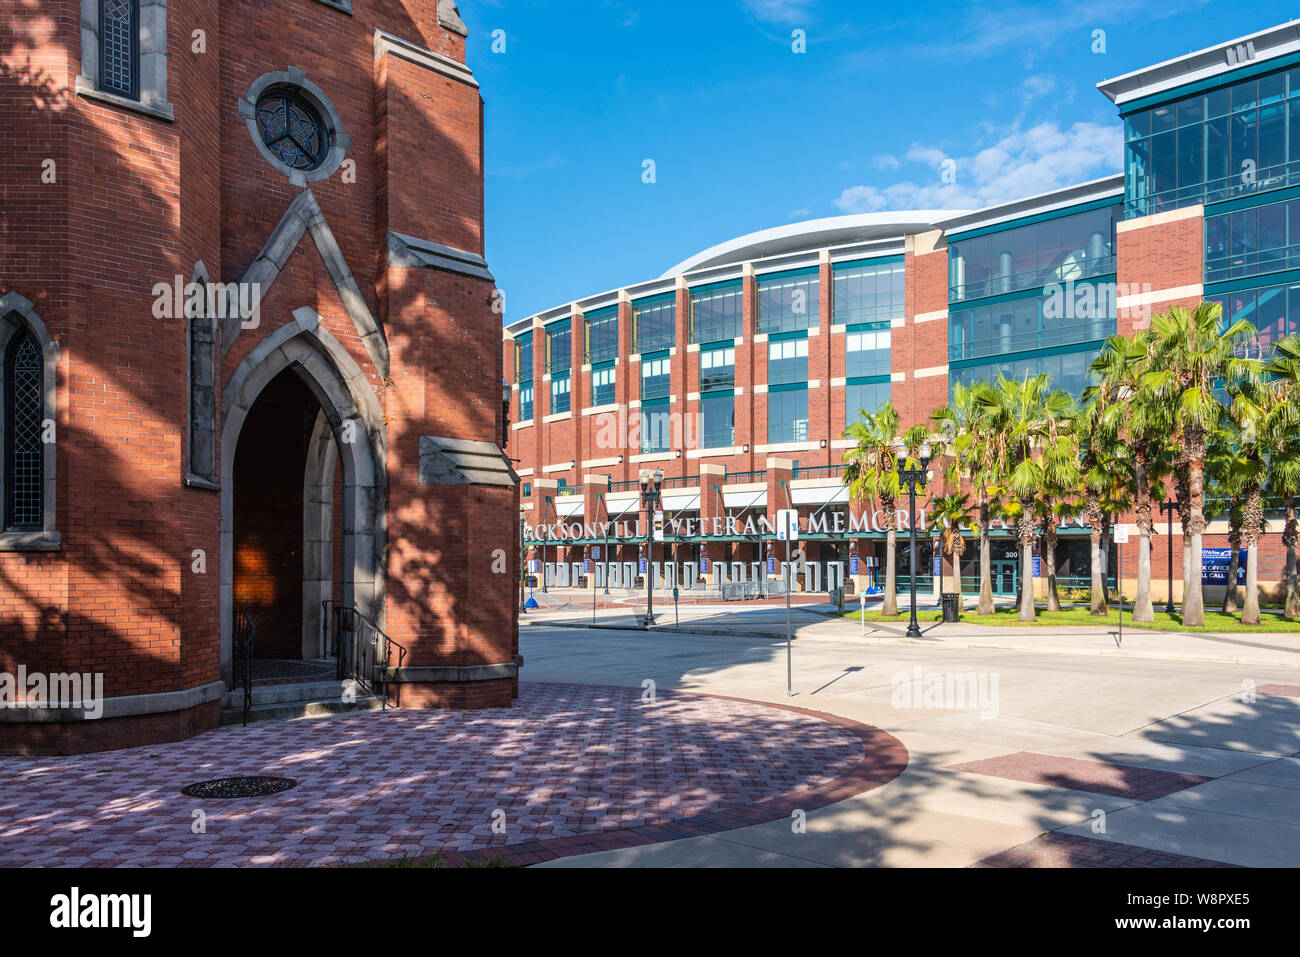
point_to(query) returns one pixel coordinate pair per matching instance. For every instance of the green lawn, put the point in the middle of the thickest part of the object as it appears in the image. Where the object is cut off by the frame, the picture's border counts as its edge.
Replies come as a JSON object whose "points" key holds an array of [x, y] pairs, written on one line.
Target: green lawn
{"points": [[1079, 616]]}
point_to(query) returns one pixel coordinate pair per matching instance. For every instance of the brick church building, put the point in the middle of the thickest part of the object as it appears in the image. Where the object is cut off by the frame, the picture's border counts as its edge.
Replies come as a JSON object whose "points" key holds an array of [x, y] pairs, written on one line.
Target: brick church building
{"points": [[251, 364]]}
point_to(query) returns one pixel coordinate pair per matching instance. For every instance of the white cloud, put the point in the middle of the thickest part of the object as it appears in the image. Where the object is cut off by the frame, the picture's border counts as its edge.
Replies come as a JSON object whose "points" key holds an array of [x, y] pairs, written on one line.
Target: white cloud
{"points": [[886, 162], [779, 11], [1018, 163]]}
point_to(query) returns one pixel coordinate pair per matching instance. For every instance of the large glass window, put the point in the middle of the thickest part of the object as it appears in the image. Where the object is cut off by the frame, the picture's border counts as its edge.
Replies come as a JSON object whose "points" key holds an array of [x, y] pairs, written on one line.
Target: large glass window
{"points": [[866, 350], [1074, 247], [717, 368], [787, 416], [716, 312], [560, 400], [1068, 371], [1273, 310], [1230, 141], [1252, 241], [559, 354], [526, 402], [1062, 315], [863, 397], [602, 384], [656, 427], [787, 361], [602, 336], [654, 324], [867, 293], [524, 358], [718, 420], [656, 378], [789, 301]]}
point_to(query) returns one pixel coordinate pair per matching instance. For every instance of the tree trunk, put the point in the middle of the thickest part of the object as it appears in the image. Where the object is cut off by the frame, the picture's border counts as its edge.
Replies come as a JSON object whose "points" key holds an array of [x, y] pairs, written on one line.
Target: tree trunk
{"points": [[956, 576], [1234, 561], [1253, 526], [1194, 594], [1049, 558], [1098, 596], [986, 557], [1027, 610], [1143, 610], [889, 602], [1290, 534]]}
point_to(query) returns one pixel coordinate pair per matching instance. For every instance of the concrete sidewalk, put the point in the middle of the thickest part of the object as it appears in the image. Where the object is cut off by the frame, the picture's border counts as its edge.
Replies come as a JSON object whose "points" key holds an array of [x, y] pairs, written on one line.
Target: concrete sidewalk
{"points": [[820, 622]]}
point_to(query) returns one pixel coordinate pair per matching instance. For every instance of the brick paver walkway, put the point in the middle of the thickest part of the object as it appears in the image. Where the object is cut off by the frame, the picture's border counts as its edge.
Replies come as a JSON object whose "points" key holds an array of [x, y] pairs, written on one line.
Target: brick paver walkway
{"points": [[569, 769], [1072, 850], [1095, 777]]}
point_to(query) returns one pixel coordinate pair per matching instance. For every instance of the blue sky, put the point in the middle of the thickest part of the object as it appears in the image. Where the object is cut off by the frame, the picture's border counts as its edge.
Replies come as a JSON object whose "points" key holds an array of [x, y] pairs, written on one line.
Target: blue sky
{"points": [[746, 134]]}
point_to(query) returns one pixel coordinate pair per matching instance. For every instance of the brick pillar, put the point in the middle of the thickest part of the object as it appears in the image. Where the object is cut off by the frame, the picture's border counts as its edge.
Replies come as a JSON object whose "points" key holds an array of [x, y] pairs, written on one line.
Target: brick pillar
{"points": [[712, 482], [627, 388], [579, 391], [683, 384], [1161, 264], [778, 497], [541, 396], [819, 370], [747, 362], [923, 357]]}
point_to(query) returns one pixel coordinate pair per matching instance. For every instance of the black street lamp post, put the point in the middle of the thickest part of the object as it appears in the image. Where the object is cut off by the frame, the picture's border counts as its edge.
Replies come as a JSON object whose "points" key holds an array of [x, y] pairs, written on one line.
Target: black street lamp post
{"points": [[523, 566], [1170, 507], [912, 479], [650, 484]]}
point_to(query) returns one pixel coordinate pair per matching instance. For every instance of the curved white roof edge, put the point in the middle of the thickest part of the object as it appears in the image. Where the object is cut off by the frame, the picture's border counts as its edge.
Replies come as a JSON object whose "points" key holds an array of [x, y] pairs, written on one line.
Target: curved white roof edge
{"points": [[815, 234]]}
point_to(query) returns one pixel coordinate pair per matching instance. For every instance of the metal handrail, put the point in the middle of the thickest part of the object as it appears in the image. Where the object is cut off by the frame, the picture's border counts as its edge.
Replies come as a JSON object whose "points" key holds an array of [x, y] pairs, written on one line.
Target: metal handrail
{"points": [[242, 658], [362, 650]]}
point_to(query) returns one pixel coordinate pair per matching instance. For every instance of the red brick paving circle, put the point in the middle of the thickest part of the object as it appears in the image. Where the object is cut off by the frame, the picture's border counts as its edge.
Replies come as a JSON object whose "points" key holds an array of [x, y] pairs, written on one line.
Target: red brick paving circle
{"points": [[573, 768]]}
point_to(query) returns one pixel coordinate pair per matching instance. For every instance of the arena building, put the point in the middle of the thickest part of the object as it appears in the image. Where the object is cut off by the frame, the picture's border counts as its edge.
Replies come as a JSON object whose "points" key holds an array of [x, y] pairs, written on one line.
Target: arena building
{"points": [[250, 361], [736, 372]]}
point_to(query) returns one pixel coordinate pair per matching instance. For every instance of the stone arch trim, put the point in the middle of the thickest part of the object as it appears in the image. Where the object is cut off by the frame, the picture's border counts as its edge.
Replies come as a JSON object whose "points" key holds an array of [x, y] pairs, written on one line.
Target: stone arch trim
{"points": [[304, 216], [18, 313], [356, 419]]}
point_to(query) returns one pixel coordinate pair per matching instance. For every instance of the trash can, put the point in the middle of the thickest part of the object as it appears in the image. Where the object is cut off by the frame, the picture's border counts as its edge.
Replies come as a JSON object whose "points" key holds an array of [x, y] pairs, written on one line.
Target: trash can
{"points": [[951, 608]]}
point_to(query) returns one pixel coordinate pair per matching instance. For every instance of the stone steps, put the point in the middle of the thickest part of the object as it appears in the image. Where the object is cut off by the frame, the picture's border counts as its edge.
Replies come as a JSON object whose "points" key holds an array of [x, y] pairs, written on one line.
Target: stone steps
{"points": [[292, 702]]}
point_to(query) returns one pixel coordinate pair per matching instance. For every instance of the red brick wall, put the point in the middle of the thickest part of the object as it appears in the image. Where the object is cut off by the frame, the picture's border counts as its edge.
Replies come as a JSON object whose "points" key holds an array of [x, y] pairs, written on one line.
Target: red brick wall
{"points": [[1162, 252]]}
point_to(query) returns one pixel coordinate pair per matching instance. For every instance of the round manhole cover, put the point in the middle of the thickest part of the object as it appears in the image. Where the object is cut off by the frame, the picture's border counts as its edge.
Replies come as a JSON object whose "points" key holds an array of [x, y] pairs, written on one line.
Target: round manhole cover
{"points": [[238, 787]]}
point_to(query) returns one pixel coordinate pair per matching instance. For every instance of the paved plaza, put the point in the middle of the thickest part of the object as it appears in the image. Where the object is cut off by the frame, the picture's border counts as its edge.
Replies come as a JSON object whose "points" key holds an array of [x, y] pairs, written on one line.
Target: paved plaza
{"points": [[681, 748]]}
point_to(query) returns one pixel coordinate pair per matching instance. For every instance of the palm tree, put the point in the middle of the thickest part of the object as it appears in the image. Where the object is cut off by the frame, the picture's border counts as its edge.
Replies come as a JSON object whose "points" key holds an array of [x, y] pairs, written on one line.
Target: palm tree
{"points": [[1254, 407], [1190, 358], [1134, 418], [1029, 426], [1101, 467], [952, 513], [870, 474], [1283, 374], [963, 437]]}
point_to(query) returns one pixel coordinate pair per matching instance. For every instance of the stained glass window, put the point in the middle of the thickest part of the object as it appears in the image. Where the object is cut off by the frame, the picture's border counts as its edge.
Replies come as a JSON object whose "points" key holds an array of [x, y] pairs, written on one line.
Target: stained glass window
{"points": [[119, 50], [24, 459], [292, 130]]}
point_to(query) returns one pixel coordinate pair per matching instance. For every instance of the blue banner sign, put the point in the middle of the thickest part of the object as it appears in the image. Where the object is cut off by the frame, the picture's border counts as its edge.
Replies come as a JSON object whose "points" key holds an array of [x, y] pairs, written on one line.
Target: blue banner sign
{"points": [[1214, 566]]}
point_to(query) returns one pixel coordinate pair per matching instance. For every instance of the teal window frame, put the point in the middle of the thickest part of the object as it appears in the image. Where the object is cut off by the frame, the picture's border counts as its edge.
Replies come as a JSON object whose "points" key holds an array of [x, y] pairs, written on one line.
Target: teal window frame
{"points": [[559, 347], [1016, 365], [656, 427], [779, 301], [601, 344], [868, 349], [868, 291], [714, 374], [561, 394], [656, 376], [717, 312], [604, 384], [787, 360], [1073, 244], [524, 357], [526, 401], [654, 323], [712, 406], [852, 405], [1006, 325], [787, 414]]}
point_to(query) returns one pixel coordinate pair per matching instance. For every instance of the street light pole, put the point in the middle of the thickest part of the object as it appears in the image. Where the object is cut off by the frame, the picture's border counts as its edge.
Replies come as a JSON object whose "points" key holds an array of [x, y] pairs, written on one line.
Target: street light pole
{"points": [[650, 482], [523, 568], [912, 479]]}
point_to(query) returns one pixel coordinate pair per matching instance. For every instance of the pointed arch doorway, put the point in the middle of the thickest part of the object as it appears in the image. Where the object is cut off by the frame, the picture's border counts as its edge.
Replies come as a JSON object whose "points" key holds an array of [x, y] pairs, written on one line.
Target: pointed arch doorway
{"points": [[303, 492]]}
